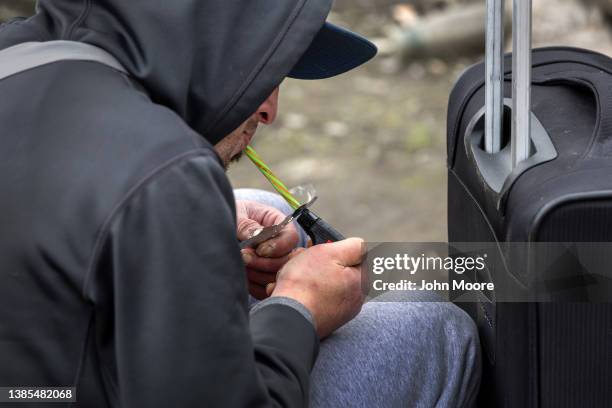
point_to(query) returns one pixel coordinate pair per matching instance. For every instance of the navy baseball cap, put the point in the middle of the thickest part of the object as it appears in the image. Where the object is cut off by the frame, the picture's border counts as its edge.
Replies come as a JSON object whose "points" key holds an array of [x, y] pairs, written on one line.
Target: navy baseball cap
{"points": [[333, 51]]}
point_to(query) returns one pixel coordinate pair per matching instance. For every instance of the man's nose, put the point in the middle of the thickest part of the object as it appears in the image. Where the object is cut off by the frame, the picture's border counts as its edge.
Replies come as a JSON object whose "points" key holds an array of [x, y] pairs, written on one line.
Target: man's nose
{"points": [[266, 113]]}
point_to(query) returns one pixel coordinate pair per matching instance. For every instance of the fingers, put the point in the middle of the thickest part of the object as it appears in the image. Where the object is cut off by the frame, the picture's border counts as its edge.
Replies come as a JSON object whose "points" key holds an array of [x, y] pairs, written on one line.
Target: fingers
{"points": [[280, 245], [252, 260], [349, 252], [252, 216], [270, 288], [260, 278], [295, 253], [246, 228], [257, 291]]}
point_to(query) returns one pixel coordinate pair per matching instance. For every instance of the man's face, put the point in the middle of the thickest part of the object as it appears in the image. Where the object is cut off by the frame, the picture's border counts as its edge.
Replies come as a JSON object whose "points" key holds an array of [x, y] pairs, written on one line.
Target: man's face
{"points": [[230, 148]]}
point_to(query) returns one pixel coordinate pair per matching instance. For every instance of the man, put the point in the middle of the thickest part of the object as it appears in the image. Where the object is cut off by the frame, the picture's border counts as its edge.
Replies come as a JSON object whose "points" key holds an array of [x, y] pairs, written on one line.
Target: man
{"points": [[120, 272]]}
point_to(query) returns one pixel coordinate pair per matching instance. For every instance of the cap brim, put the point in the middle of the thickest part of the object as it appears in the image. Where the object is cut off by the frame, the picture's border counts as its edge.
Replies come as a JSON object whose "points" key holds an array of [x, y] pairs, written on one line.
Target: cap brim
{"points": [[333, 51]]}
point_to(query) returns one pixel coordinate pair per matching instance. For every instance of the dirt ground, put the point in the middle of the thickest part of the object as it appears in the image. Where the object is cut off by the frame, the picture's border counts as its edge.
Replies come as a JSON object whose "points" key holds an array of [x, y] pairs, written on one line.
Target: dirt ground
{"points": [[373, 141]]}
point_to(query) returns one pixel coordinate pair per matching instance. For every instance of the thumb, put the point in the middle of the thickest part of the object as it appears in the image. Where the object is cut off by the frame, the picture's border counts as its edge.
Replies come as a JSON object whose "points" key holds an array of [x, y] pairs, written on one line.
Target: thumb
{"points": [[246, 228], [270, 288], [349, 252], [295, 252]]}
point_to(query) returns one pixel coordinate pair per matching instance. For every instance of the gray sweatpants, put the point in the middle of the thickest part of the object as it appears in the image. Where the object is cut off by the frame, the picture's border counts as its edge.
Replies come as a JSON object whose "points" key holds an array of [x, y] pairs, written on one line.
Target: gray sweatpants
{"points": [[402, 350]]}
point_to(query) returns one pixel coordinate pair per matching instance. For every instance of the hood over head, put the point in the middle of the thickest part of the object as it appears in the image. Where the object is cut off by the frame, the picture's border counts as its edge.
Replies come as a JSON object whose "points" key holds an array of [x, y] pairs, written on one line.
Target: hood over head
{"points": [[213, 62]]}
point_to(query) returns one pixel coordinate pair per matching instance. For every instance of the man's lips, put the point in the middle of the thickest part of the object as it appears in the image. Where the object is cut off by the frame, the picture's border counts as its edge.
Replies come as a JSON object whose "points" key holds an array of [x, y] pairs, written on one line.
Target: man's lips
{"points": [[248, 137]]}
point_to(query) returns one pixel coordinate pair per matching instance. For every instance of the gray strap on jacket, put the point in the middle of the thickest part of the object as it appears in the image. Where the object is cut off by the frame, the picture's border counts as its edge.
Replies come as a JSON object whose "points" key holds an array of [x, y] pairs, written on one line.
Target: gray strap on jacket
{"points": [[25, 56]]}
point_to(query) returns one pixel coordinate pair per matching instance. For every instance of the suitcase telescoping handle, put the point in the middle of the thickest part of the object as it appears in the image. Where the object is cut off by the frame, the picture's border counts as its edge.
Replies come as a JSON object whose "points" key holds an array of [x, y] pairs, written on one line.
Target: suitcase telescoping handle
{"points": [[521, 81], [494, 86], [521, 78]]}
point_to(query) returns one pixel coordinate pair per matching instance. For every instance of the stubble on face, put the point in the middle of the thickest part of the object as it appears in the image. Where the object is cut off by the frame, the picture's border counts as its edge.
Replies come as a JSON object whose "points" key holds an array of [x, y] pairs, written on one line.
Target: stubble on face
{"points": [[231, 147]]}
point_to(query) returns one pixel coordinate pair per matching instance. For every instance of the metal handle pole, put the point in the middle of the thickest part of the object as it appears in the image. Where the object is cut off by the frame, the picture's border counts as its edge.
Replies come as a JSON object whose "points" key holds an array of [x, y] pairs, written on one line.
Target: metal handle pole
{"points": [[494, 75], [521, 81]]}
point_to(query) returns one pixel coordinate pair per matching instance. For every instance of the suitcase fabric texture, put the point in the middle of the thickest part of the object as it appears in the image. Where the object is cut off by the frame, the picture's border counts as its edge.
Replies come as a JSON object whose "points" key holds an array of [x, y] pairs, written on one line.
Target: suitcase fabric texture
{"points": [[556, 354]]}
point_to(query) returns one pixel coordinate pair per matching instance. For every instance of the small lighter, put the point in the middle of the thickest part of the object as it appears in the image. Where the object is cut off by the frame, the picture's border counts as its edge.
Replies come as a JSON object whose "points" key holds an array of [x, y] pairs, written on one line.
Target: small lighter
{"points": [[319, 231]]}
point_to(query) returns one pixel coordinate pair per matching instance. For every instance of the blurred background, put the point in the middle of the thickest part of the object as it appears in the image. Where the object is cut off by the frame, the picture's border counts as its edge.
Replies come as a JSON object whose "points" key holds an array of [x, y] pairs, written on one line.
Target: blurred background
{"points": [[372, 141]]}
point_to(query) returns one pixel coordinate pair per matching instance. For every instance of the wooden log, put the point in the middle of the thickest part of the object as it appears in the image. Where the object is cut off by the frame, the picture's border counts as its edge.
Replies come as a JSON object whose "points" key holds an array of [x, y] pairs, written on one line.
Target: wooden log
{"points": [[457, 31]]}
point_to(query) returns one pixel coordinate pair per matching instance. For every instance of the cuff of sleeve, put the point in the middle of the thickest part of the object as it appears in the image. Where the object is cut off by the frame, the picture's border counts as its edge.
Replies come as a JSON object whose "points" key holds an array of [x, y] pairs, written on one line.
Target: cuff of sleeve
{"points": [[286, 326], [280, 300]]}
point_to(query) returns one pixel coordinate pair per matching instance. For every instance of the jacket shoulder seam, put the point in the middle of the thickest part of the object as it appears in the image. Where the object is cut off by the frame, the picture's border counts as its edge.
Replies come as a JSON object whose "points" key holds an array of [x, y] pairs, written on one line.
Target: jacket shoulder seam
{"points": [[120, 205]]}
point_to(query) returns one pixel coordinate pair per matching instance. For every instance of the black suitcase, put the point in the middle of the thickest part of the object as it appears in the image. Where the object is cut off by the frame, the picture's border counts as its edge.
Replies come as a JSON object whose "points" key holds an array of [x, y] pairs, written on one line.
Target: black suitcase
{"points": [[538, 354]]}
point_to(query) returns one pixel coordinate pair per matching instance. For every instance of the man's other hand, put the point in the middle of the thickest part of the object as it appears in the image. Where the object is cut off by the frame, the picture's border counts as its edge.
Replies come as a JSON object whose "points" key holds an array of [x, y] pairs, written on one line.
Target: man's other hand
{"points": [[263, 262], [327, 280]]}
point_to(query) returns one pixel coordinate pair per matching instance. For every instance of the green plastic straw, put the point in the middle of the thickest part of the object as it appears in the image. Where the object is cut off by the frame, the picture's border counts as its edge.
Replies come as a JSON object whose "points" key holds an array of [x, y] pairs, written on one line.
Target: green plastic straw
{"points": [[276, 183]]}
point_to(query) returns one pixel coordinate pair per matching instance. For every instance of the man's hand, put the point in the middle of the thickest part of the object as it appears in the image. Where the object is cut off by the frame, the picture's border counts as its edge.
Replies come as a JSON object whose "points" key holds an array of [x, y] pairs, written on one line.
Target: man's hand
{"points": [[327, 280], [263, 262]]}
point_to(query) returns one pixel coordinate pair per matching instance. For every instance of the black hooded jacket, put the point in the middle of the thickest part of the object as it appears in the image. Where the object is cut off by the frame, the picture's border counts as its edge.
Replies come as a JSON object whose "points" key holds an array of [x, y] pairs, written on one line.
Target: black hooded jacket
{"points": [[120, 271]]}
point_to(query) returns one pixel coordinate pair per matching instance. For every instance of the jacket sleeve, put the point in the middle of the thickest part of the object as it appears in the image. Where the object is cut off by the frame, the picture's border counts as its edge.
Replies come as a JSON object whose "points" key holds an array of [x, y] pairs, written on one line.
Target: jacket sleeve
{"points": [[170, 294]]}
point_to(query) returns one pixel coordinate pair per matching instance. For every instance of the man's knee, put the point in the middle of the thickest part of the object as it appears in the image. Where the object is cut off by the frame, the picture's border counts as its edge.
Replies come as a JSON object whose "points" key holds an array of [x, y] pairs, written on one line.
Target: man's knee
{"points": [[429, 312], [455, 323], [438, 322], [457, 338], [422, 353], [443, 340]]}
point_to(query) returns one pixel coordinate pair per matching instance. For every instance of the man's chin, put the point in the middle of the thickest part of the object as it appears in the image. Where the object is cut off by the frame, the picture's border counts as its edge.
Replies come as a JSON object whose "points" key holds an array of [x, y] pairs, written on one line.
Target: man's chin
{"points": [[237, 157], [234, 159]]}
